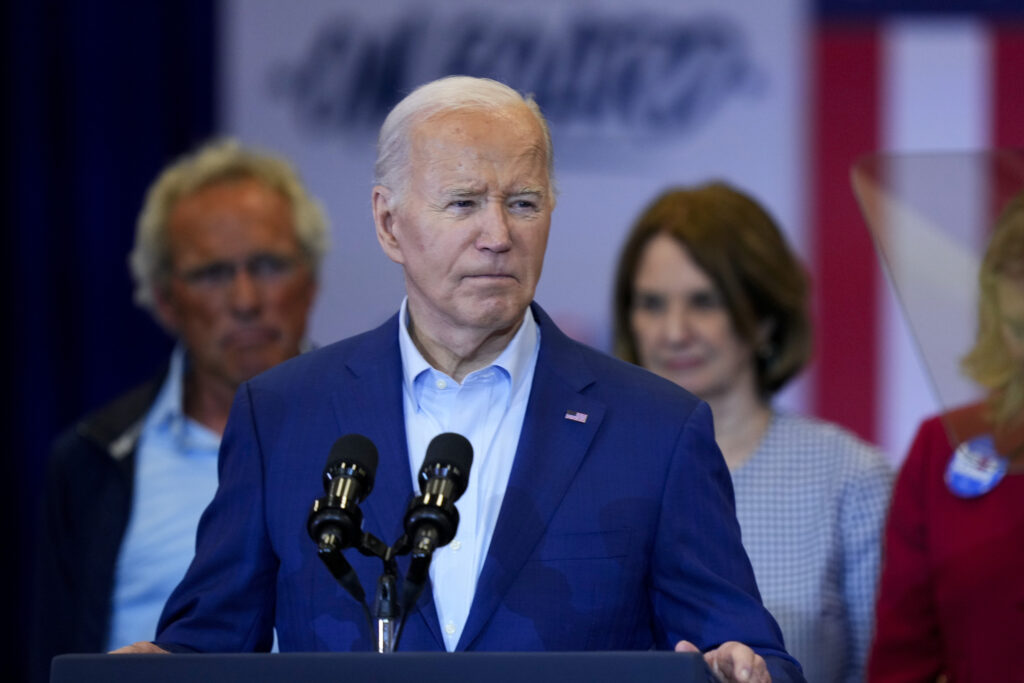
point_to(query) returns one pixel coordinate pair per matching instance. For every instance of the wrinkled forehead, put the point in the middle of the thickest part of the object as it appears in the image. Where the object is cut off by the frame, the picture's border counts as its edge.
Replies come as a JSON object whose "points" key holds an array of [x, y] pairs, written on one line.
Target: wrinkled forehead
{"points": [[507, 135]]}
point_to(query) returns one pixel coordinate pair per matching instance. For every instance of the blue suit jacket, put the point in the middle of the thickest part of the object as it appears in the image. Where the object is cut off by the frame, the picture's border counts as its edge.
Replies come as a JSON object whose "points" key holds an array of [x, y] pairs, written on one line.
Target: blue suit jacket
{"points": [[618, 533]]}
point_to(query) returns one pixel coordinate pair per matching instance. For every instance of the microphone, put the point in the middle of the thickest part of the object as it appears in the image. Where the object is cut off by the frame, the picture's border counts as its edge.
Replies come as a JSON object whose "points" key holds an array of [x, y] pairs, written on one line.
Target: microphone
{"points": [[348, 479], [432, 519], [336, 522]]}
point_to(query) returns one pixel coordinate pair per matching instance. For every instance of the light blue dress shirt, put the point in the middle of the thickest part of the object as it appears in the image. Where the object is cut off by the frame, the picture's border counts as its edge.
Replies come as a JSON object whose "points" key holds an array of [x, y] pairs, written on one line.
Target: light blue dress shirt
{"points": [[488, 409], [175, 479]]}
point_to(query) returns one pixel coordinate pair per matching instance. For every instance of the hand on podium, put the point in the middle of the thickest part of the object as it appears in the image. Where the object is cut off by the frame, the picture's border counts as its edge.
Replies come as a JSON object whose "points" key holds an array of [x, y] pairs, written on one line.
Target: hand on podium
{"points": [[142, 647], [732, 662]]}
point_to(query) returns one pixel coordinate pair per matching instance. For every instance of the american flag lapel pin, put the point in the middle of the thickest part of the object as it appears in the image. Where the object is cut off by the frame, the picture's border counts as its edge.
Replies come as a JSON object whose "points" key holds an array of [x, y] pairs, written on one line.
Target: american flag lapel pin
{"points": [[576, 416]]}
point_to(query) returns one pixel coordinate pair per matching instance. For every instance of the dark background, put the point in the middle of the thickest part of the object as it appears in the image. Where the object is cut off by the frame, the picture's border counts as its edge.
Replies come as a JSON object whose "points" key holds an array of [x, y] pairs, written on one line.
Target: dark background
{"points": [[98, 97]]}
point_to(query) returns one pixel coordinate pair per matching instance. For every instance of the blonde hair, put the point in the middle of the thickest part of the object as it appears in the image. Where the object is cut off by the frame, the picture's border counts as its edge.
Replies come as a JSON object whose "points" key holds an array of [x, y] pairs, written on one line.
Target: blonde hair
{"points": [[989, 362], [215, 162]]}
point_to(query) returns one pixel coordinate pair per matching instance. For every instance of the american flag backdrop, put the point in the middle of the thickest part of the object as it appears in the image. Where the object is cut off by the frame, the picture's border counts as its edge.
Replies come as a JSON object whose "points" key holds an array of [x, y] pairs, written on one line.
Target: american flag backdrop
{"points": [[780, 98], [921, 81]]}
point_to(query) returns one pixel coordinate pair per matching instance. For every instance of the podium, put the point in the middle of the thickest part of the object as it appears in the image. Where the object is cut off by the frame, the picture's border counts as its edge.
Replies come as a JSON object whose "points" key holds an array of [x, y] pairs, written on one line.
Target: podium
{"points": [[432, 667]]}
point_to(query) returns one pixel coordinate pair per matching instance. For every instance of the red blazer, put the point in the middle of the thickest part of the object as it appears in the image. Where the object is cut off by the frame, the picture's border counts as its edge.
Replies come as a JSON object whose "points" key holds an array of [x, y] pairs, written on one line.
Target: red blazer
{"points": [[951, 597]]}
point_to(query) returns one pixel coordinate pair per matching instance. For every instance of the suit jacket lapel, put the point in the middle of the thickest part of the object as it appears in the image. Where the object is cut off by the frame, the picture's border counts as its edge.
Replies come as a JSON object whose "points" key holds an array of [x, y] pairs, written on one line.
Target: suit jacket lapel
{"points": [[550, 450], [371, 404]]}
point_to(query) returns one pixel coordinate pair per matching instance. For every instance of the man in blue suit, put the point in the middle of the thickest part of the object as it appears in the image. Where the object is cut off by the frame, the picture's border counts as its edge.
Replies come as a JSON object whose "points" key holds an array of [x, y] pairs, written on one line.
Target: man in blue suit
{"points": [[599, 512]]}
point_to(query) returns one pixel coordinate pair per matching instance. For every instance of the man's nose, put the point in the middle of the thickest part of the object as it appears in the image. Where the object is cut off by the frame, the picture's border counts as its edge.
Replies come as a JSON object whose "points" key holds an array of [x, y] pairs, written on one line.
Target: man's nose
{"points": [[494, 230], [244, 294]]}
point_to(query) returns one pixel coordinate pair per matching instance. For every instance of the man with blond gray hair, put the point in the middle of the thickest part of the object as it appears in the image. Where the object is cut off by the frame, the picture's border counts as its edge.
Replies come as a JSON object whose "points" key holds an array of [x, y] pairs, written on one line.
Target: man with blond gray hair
{"points": [[227, 250], [598, 513]]}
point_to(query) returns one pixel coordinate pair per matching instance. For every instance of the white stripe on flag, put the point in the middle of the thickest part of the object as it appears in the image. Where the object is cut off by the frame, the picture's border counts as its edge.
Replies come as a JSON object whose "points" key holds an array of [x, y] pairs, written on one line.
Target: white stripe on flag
{"points": [[935, 96]]}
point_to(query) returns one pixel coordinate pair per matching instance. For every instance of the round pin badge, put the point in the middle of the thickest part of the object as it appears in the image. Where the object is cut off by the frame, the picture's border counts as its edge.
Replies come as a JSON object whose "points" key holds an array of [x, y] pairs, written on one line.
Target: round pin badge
{"points": [[975, 468]]}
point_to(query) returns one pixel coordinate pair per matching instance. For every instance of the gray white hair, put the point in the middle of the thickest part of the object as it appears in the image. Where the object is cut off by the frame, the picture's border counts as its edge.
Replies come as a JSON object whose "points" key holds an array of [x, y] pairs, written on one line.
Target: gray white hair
{"points": [[446, 94], [215, 162]]}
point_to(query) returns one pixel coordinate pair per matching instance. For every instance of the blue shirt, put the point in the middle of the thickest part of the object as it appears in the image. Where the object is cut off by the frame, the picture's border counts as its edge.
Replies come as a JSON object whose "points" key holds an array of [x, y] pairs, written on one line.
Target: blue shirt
{"points": [[488, 409], [175, 479]]}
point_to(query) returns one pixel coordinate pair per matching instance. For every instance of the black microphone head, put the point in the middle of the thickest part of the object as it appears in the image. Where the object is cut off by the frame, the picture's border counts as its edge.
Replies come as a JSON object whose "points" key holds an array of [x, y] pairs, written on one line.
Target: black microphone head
{"points": [[452, 452], [352, 452]]}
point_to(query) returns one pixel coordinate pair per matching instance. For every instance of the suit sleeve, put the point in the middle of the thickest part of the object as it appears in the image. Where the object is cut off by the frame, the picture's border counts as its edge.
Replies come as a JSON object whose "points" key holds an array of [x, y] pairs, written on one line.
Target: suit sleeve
{"points": [[82, 521], [53, 584], [703, 588], [225, 602]]}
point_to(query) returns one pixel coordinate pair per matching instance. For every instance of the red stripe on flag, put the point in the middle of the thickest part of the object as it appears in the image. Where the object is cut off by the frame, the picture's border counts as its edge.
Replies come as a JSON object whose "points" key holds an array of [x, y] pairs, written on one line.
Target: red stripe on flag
{"points": [[1007, 40], [846, 125], [1008, 90]]}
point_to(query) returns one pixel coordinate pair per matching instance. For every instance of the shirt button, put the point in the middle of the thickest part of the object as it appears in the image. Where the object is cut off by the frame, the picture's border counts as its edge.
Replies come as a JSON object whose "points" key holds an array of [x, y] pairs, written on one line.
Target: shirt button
{"points": [[441, 384], [456, 545], [449, 628]]}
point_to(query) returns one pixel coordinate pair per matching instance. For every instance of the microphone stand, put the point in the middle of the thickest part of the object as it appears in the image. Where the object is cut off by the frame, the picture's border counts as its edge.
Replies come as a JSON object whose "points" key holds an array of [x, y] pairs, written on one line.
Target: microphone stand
{"points": [[389, 614], [392, 610], [389, 611], [386, 609], [332, 530]]}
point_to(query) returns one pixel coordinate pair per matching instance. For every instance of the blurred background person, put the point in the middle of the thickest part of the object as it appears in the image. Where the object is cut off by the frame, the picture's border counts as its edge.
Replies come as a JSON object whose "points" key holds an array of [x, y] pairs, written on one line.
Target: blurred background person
{"points": [[226, 255], [951, 598], [709, 295]]}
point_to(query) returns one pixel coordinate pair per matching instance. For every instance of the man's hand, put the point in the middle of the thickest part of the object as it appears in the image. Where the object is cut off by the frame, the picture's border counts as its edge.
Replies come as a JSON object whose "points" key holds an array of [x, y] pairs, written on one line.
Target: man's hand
{"points": [[140, 648], [732, 662]]}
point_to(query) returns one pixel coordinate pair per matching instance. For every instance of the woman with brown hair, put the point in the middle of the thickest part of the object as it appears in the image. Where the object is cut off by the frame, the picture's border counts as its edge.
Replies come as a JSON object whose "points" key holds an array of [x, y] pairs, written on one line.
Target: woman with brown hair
{"points": [[709, 295], [951, 598]]}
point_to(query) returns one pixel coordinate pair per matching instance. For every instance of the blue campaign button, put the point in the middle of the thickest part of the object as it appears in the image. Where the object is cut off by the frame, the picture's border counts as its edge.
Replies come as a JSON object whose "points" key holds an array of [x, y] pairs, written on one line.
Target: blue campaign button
{"points": [[975, 468]]}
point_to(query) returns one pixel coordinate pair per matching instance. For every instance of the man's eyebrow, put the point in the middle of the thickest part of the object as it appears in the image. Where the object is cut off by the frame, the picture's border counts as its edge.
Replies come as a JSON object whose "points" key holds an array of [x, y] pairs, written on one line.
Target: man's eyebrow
{"points": [[463, 191]]}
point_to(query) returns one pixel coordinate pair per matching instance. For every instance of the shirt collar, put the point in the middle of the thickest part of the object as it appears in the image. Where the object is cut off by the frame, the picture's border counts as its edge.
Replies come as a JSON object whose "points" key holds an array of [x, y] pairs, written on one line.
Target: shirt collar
{"points": [[516, 359], [168, 410], [169, 405]]}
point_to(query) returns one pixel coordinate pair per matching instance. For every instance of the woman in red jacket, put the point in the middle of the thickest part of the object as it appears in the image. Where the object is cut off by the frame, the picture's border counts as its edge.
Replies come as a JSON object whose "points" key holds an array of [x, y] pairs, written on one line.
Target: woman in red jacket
{"points": [[951, 598]]}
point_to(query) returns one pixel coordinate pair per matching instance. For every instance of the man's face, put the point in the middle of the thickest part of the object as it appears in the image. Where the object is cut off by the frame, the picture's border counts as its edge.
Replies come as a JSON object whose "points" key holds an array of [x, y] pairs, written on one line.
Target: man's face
{"points": [[472, 225], [239, 289]]}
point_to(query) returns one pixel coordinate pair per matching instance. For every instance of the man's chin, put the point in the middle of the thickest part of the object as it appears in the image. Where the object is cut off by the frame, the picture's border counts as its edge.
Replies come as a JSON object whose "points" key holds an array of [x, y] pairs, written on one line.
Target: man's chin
{"points": [[247, 365], [497, 314]]}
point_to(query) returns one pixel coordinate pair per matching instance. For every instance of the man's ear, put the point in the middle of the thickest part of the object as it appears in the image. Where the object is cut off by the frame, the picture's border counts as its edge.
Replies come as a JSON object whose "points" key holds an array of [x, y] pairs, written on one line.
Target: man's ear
{"points": [[385, 218], [164, 309]]}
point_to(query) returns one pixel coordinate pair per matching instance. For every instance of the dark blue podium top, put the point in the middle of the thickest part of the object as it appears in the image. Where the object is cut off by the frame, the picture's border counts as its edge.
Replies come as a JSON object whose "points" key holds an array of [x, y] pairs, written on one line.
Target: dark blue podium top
{"points": [[433, 667]]}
